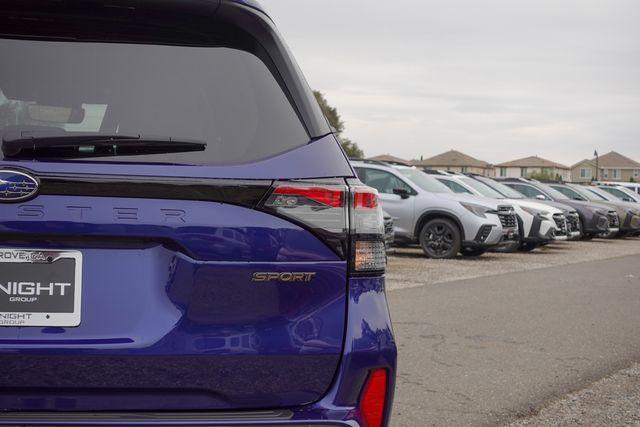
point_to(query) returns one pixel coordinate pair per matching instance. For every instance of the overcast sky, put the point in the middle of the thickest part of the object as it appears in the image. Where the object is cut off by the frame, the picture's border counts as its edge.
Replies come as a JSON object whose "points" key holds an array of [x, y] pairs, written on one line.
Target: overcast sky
{"points": [[497, 79]]}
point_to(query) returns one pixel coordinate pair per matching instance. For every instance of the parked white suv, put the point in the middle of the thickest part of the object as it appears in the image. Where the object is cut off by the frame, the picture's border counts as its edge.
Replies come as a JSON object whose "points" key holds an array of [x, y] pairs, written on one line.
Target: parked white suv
{"points": [[426, 211], [539, 224]]}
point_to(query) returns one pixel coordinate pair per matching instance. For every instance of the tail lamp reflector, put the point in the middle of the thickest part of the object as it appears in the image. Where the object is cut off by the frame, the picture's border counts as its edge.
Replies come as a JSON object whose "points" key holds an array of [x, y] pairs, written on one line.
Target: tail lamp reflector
{"points": [[370, 255], [367, 227], [374, 398], [297, 196]]}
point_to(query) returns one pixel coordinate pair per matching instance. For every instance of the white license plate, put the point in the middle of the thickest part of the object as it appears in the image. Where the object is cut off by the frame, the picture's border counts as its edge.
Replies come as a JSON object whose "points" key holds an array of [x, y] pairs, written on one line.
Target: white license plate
{"points": [[40, 287]]}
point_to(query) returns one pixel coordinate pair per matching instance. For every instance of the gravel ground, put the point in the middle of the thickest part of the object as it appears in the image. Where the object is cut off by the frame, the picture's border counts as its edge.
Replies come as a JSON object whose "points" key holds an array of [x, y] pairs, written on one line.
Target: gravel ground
{"points": [[409, 268], [613, 401]]}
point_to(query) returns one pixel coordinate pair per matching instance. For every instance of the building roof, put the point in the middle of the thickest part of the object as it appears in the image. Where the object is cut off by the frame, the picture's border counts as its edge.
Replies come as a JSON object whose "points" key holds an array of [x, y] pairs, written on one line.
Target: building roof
{"points": [[453, 158], [390, 159], [532, 162], [583, 162], [614, 160]]}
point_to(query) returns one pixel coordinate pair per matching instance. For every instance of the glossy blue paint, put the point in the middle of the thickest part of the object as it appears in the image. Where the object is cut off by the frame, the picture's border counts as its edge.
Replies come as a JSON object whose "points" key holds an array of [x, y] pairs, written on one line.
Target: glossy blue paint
{"points": [[206, 231], [369, 345], [159, 323], [327, 160]]}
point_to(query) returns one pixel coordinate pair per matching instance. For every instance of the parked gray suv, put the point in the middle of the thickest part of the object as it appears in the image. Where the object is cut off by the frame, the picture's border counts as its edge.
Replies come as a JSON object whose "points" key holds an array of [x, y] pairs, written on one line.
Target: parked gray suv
{"points": [[428, 212]]}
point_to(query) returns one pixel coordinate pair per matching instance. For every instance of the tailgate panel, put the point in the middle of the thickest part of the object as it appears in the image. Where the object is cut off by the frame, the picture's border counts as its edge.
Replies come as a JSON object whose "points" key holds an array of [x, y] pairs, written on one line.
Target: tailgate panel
{"points": [[170, 313]]}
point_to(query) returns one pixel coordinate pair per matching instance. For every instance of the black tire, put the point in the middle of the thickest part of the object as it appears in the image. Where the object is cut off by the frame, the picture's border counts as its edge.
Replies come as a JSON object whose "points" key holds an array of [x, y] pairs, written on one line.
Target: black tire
{"points": [[440, 239], [473, 252], [527, 246], [585, 235]]}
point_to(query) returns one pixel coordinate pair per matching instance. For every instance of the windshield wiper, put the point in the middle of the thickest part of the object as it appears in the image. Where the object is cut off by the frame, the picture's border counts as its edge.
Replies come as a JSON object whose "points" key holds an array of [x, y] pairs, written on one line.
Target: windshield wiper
{"points": [[37, 145]]}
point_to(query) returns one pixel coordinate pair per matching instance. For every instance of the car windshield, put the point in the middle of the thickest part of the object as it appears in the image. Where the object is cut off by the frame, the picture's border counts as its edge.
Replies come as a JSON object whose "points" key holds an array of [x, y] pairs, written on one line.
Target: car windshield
{"points": [[598, 195], [621, 193], [505, 190], [483, 189], [424, 181], [224, 96], [555, 194]]}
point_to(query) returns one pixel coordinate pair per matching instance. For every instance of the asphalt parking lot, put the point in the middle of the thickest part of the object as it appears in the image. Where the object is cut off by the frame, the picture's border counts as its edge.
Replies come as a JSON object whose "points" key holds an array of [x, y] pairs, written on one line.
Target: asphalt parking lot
{"points": [[409, 268], [546, 338]]}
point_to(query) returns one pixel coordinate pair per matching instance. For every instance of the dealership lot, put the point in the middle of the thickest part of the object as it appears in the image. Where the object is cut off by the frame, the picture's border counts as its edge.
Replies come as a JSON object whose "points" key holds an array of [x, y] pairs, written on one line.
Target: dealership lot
{"points": [[491, 340], [409, 268]]}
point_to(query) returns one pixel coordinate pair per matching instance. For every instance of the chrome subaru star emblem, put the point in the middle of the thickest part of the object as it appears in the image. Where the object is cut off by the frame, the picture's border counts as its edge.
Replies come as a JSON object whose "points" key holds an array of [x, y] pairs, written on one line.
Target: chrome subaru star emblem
{"points": [[16, 186]]}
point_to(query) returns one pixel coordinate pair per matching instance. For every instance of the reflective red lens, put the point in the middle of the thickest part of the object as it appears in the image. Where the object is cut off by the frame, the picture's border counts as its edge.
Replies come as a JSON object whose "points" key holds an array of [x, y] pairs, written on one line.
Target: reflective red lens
{"points": [[373, 399], [365, 200], [325, 196]]}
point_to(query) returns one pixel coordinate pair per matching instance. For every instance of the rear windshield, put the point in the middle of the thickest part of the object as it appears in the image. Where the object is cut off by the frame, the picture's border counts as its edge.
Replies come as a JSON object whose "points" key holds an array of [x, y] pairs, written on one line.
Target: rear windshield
{"points": [[223, 96]]}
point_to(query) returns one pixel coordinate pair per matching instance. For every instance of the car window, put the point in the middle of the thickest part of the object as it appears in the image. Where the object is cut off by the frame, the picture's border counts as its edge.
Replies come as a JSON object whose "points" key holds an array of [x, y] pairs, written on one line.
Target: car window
{"points": [[383, 181], [529, 191], [621, 194], [225, 96], [482, 188], [570, 193], [505, 190], [598, 195], [424, 181], [455, 187]]}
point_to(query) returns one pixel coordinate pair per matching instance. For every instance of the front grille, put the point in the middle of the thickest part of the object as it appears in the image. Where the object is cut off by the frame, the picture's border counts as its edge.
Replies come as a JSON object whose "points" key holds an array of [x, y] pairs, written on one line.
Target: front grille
{"points": [[614, 220], [561, 222], [573, 222], [507, 217]]}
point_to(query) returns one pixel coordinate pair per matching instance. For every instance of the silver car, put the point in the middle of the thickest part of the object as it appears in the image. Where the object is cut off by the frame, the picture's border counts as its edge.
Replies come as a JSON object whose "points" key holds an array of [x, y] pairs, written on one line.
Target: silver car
{"points": [[428, 212]]}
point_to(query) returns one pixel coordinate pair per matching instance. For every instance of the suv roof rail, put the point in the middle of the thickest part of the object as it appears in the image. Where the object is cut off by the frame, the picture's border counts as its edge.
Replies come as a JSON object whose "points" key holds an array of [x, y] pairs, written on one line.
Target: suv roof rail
{"points": [[367, 161], [434, 172]]}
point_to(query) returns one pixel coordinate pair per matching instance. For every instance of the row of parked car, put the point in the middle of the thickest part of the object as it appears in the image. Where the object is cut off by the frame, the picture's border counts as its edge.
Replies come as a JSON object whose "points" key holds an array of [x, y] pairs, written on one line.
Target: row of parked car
{"points": [[452, 213]]}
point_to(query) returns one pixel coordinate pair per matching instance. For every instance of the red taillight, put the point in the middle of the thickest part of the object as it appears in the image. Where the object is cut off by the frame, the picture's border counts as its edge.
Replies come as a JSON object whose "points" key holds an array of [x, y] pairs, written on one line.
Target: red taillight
{"points": [[367, 232], [325, 196], [365, 200], [374, 399]]}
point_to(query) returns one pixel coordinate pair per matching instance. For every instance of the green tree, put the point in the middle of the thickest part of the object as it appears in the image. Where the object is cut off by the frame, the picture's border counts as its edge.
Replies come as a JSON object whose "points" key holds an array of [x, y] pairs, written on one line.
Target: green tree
{"points": [[331, 113], [544, 176]]}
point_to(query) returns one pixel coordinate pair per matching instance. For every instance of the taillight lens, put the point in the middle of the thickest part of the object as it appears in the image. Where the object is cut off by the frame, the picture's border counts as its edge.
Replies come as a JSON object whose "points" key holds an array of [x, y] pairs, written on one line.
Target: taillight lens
{"points": [[374, 399], [367, 230], [334, 212], [320, 206]]}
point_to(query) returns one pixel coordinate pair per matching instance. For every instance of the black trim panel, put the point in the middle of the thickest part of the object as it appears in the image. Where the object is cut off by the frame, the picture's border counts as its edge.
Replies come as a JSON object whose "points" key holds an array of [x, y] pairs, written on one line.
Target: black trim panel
{"points": [[245, 193]]}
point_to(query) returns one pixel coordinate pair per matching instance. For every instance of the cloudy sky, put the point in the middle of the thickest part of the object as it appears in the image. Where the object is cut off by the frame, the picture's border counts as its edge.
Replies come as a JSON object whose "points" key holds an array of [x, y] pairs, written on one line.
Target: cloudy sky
{"points": [[498, 79]]}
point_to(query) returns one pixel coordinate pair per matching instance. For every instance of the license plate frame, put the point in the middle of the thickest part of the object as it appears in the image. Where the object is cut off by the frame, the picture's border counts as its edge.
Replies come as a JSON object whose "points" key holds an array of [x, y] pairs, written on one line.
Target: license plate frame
{"points": [[58, 297]]}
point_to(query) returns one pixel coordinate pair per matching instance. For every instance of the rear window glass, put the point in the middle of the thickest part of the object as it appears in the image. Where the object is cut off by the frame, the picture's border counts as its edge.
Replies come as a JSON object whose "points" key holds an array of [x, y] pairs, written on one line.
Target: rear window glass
{"points": [[223, 96]]}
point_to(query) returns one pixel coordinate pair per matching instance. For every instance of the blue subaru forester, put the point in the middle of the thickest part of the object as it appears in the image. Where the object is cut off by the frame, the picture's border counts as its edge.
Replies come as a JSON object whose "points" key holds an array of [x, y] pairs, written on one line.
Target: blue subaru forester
{"points": [[182, 239]]}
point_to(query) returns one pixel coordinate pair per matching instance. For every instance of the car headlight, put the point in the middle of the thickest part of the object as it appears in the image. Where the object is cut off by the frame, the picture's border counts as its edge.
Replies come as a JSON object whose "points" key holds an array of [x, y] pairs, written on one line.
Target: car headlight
{"points": [[478, 210], [536, 212]]}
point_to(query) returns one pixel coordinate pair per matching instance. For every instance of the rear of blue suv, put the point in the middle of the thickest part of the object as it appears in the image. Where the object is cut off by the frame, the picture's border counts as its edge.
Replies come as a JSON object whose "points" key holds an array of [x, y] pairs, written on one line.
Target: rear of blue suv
{"points": [[182, 239]]}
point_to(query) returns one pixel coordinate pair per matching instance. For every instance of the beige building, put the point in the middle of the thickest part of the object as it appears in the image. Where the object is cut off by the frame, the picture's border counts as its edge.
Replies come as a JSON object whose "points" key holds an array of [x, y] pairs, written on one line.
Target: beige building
{"points": [[524, 168], [612, 167], [455, 161]]}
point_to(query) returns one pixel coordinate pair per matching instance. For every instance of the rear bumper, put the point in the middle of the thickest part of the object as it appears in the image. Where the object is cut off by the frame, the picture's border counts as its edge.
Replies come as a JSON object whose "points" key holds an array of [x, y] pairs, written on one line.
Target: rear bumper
{"points": [[257, 418], [369, 344]]}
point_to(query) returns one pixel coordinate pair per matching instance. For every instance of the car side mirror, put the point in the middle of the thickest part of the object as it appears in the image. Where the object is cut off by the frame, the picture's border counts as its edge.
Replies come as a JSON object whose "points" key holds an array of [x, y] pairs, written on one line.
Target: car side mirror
{"points": [[541, 197], [402, 192]]}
